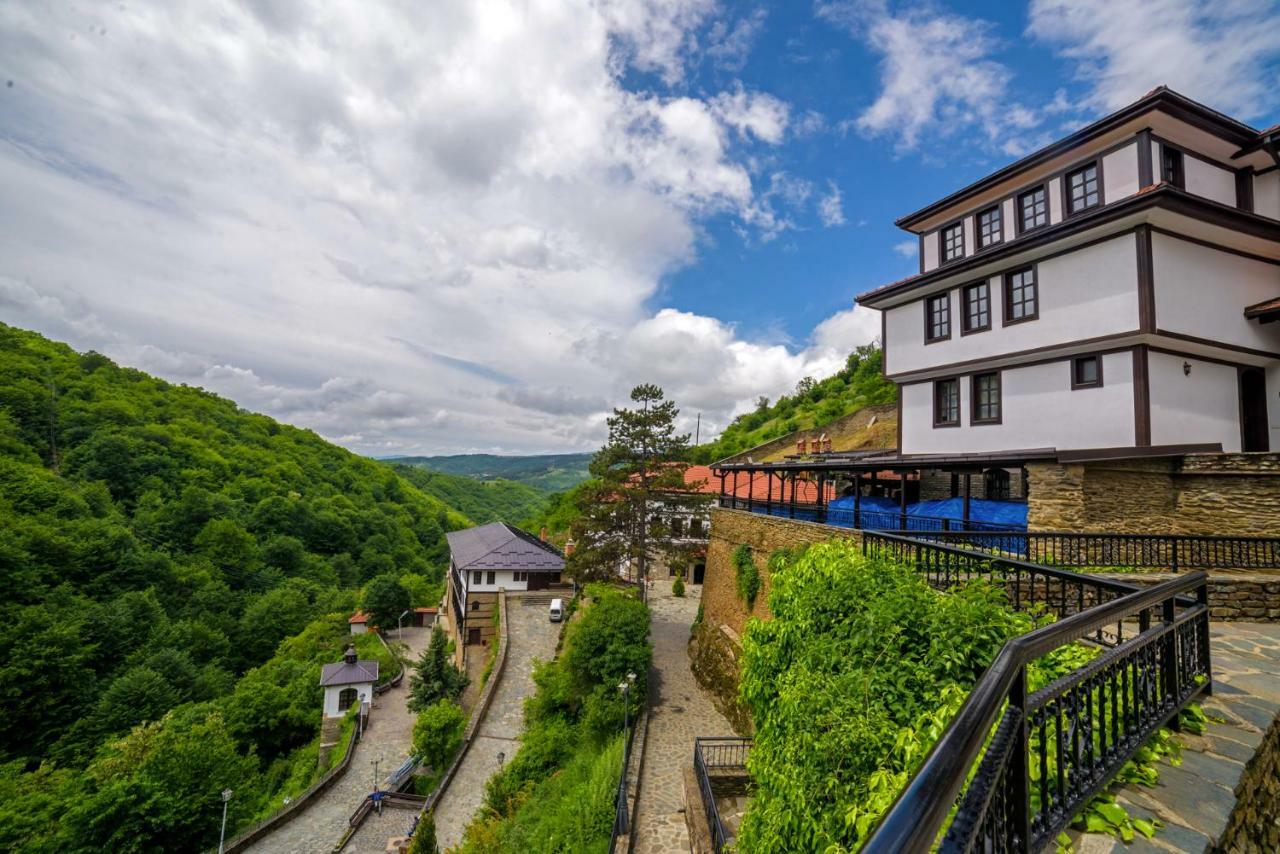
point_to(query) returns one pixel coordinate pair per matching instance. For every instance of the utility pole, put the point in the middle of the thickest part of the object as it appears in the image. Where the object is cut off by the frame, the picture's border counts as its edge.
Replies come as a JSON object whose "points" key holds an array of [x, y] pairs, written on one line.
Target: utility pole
{"points": [[697, 431], [222, 835]]}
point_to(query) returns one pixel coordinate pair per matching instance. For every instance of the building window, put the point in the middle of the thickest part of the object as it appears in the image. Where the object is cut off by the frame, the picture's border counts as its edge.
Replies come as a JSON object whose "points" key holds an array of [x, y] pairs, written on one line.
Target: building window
{"points": [[1020, 297], [521, 576], [1086, 372], [1082, 189], [990, 229], [677, 526], [493, 577], [946, 403], [695, 527], [1033, 209], [996, 483], [1171, 167], [953, 242], [476, 576], [986, 398], [977, 308], [475, 606], [347, 698], [937, 318]]}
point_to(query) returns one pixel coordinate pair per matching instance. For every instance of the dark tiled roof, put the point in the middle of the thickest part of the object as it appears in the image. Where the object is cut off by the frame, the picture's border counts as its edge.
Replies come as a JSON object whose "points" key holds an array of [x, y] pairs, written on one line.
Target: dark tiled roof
{"points": [[501, 546], [343, 673]]}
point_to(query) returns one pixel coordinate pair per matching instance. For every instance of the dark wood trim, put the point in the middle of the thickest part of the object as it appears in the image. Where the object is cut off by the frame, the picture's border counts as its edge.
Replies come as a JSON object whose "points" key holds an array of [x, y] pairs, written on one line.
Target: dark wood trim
{"points": [[1221, 345], [1018, 228], [1171, 103], [1075, 385], [943, 260], [928, 301], [1209, 244], [974, 420], [998, 207], [920, 251], [884, 343], [1145, 172], [934, 403], [1141, 398], [1085, 455], [1006, 287], [1266, 415], [1212, 360], [1244, 189], [964, 307], [1193, 154], [1146, 279], [1162, 196], [1065, 187], [925, 374], [899, 423]]}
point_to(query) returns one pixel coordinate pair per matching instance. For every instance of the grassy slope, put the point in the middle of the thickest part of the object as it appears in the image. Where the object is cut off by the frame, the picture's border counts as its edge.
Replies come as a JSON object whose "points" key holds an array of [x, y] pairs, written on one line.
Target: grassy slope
{"points": [[547, 472], [483, 501]]}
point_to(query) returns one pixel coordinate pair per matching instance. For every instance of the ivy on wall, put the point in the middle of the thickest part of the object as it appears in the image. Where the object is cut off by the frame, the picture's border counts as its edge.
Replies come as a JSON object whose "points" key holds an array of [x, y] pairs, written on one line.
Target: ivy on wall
{"points": [[748, 575]]}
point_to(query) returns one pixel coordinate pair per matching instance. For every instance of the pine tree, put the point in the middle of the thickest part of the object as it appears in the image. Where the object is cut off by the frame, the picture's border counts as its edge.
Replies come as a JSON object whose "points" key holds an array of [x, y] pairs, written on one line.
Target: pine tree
{"points": [[638, 487], [434, 677]]}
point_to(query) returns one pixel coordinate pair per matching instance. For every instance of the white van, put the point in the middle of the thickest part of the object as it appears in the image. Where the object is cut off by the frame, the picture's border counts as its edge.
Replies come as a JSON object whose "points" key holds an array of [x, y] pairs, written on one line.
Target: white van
{"points": [[557, 610]]}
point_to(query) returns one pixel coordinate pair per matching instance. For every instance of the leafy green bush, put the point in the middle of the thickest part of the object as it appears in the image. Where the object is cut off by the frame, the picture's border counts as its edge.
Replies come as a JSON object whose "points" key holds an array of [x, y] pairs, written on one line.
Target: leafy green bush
{"points": [[424, 835], [677, 586], [748, 575], [437, 733]]}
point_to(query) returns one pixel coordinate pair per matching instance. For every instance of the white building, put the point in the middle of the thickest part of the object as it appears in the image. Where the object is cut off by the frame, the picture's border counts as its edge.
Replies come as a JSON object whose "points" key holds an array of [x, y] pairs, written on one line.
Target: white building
{"points": [[1112, 292], [347, 683]]}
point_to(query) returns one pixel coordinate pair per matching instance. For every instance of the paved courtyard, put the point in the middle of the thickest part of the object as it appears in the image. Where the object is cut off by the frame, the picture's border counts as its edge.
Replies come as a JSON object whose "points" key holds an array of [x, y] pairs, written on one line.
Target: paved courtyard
{"points": [[530, 635], [319, 827], [680, 711]]}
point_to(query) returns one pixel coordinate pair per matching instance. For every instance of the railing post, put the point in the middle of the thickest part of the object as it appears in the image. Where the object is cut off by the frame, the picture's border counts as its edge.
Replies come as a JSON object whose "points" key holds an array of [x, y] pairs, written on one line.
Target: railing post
{"points": [[1202, 597], [1172, 688], [1018, 773], [1174, 559]]}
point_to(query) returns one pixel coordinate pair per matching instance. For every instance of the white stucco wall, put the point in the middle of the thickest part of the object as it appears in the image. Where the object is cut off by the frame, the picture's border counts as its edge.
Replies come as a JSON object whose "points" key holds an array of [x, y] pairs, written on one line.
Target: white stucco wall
{"points": [[1203, 406], [1205, 179], [1055, 201], [358, 628], [1039, 410], [930, 251], [502, 579], [365, 690], [1266, 194], [970, 241], [1083, 294], [1203, 292], [1120, 174]]}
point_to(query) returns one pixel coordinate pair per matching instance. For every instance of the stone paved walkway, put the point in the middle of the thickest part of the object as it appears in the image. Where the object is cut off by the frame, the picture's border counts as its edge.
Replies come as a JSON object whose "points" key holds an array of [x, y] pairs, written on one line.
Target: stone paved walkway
{"points": [[530, 635], [680, 711], [319, 827], [1195, 799]]}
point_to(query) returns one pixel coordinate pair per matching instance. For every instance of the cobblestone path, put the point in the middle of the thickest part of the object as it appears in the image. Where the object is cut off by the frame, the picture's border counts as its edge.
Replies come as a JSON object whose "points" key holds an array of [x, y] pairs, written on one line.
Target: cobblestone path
{"points": [[319, 827], [1195, 799], [680, 711], [530, 635]]}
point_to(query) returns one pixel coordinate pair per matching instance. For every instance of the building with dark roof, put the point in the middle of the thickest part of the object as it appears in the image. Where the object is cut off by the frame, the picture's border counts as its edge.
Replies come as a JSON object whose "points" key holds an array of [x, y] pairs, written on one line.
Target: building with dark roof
{"points": [[484, 560], [347, 683]]}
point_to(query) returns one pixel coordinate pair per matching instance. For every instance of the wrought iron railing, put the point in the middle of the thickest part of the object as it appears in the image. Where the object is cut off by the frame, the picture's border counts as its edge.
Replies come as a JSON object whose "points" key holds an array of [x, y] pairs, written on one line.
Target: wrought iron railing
{"points": [[716, 756], [858, 518], [1052, 751], [1139, 551]]}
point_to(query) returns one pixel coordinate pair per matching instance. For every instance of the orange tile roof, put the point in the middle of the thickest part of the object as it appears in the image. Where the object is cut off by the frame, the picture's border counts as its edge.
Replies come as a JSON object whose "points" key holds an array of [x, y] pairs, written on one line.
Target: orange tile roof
{"points": [[357, 617]]}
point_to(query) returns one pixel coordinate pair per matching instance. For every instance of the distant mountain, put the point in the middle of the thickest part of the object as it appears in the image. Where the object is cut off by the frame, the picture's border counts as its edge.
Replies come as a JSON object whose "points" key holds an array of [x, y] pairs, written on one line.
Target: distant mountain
{"points": [[546, 472], [483, 501]]}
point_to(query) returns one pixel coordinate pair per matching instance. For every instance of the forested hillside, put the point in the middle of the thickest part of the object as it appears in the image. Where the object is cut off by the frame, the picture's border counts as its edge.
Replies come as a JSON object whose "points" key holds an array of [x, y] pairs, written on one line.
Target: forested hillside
{"points": [[813, 404], [156, 545], [547, 472], [482, 501]]}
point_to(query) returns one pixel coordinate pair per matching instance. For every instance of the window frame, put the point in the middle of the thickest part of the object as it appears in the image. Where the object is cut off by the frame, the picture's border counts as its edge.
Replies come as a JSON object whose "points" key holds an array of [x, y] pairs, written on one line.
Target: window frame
{"points": [[998, 210], [477, 576], [974, 418], [1180, 178], [1067, 210], [1042, 187], [965, 329], [955, 381], [492, 577], [942, 243], [1008, 319], [1076, 384], [928, 317]]}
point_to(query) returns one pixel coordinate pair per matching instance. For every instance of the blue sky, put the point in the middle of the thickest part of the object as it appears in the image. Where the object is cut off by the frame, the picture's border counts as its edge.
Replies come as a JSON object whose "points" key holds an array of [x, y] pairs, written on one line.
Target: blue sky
{"points": [[459, 226]]}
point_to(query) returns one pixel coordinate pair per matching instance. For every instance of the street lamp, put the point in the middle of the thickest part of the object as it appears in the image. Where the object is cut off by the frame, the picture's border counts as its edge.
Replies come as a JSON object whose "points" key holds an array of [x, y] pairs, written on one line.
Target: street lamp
{"points": [[624, 687], [399, 630], [222, 835]]}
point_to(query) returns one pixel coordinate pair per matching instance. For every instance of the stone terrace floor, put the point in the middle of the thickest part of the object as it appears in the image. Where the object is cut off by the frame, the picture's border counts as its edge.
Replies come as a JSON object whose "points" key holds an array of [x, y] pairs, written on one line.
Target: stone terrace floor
{"points": [[680, 712], [1195, 799]]}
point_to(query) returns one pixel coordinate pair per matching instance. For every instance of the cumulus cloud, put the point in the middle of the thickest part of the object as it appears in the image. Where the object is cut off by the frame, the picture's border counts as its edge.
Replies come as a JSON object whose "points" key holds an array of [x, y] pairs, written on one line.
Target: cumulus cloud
{"points": [[729, 45], [373, 222], [830, 207]]}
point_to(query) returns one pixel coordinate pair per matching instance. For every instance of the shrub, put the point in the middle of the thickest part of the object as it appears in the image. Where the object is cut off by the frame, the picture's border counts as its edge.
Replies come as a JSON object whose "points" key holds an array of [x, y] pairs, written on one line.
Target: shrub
{"points": [[434, 677], [677, 586], [748, 575], [437, 734], [424, 835]]}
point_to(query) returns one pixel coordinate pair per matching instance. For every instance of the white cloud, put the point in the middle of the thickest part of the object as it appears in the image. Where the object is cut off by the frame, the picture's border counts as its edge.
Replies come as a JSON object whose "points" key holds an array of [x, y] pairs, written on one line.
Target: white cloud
{"points": [[729, 46], [830, 209], [907, 248], [1212, 52], [374, 222]]}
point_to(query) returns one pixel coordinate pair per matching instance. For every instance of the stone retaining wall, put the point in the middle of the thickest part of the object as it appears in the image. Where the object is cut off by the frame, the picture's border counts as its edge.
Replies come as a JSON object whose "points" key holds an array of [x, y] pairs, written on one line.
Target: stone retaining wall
{"points": [[1254, 824], [1235, 494]]}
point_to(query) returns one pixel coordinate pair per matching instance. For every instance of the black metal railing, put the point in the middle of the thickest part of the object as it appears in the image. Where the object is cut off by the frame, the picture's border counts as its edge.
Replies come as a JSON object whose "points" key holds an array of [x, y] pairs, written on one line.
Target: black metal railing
{"points": [[1054, 750], [622, 812], [1174, 552], [858, 518], [718, 756]]}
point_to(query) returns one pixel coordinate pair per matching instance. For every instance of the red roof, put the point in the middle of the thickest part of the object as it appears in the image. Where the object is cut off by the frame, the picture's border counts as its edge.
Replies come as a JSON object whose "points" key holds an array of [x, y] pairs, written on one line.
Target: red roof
{"points": [[426, 610], [760, 487], [357, 617]]}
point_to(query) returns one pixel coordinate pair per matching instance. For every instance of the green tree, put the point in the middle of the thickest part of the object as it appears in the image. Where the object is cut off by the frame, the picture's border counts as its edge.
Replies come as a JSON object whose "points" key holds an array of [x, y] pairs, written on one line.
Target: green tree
{"points": [[385, 599], [424, 835], [437, 733], [638, 486], [434, 677], [139, 694]]}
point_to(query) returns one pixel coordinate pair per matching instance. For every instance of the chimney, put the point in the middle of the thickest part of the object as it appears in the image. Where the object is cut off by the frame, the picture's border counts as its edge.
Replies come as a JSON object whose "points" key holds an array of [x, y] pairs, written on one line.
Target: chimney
{"points": [[568, 548], [802, 446], [350, 655], [543, 535]]}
